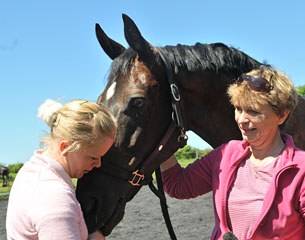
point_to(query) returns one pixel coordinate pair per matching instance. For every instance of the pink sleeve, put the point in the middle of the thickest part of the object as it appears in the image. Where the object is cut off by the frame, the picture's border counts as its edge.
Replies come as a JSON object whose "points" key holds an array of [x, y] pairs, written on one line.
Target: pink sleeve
{"points": [[59, 225], [302, 201], [189, 182], [57, 215]]}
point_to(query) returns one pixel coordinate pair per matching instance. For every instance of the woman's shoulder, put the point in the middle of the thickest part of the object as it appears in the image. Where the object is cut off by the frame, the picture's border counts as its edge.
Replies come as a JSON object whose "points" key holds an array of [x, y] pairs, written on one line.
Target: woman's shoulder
{"points": [[55, 187], [237, 146], [229, 152]]}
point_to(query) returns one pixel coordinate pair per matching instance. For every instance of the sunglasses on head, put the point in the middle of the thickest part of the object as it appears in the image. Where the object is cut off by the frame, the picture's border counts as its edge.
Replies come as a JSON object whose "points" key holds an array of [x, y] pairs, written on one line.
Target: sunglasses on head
{"points": [[256, 83]]}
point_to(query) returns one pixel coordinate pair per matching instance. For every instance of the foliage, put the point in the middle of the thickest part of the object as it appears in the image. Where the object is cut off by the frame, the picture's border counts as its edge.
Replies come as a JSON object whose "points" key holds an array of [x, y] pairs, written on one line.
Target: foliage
{"points": [[4, 191], [188, 154], [14, 168], [74, 181], [301, 90], [2, 165]]}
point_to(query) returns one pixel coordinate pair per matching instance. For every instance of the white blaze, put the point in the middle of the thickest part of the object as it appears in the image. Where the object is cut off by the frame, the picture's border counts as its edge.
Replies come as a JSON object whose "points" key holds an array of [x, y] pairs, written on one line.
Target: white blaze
{"points": [[110, 91]]}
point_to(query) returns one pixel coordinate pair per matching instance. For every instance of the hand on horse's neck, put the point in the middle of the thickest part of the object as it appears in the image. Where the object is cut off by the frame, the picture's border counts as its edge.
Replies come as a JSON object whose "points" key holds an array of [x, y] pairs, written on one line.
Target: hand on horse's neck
{"points": [[267, 153]]}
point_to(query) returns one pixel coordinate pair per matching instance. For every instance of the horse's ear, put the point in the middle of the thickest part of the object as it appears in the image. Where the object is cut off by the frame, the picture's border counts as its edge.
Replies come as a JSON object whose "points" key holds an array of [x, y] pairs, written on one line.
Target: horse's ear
{"points": [[135, 40], [111, 47]]}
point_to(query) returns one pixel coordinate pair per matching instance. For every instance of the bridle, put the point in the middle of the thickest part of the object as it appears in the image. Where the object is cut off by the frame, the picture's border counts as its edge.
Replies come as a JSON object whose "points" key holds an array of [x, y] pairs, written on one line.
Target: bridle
{"points": [[136, 178]]}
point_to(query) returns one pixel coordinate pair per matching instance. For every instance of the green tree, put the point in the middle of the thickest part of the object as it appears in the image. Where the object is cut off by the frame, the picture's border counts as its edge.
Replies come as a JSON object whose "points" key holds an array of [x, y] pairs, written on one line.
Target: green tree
{"points": [[204, 152], [189, 154], [14, 168], [301, 90]]}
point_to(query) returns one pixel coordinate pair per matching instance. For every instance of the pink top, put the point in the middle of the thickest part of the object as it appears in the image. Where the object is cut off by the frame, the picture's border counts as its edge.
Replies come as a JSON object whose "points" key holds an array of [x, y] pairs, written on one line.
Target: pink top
{"points": [[42, 203], [247, 194]]}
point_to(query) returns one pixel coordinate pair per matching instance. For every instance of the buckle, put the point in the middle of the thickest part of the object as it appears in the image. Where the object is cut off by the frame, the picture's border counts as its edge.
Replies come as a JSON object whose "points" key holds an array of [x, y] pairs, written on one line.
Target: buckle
{"points": [[175, 92], [136, 179]]}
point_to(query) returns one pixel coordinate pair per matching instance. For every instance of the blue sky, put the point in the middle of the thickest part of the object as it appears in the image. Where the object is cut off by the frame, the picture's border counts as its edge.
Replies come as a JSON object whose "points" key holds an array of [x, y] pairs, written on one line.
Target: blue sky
{"points": [[48, 49]]}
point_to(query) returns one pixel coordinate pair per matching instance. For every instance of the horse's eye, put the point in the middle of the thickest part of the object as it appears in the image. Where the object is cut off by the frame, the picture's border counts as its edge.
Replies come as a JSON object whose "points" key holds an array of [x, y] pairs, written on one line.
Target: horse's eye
{"points": [[137, 102]]}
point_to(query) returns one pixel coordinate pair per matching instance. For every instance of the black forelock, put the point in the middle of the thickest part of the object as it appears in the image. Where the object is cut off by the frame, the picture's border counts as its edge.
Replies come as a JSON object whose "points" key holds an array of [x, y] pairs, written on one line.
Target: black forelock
{"points": [[121, 65]]}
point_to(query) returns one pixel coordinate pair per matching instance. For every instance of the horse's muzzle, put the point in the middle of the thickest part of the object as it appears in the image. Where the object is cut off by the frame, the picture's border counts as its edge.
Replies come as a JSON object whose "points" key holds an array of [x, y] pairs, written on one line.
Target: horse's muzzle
{"points": [[117, 216], [99, 216]]}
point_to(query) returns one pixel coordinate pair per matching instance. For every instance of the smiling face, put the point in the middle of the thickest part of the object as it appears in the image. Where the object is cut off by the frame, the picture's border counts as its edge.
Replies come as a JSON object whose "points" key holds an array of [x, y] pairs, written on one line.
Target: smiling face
{"points": [[85, 159], [258, 123]]}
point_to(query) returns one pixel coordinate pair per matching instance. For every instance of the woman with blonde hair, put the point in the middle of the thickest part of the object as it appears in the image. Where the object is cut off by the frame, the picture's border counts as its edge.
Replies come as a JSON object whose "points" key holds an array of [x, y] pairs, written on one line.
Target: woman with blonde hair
{"points": [[258, 182], [42, 202]]}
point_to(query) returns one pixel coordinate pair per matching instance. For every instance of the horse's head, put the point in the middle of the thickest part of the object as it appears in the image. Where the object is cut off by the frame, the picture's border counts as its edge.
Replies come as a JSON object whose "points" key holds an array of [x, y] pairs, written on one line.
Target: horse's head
{"points": [[138, 95]]}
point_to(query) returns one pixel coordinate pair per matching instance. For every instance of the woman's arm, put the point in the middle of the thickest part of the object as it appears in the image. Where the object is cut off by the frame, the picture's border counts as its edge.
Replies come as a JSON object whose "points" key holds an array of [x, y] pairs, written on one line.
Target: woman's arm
{"points": [[172, 161]]}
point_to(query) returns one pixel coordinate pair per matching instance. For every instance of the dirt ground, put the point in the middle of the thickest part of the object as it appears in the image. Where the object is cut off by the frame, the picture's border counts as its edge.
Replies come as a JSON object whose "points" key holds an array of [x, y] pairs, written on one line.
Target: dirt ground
{"points": [[3, 206], [191, 219]]}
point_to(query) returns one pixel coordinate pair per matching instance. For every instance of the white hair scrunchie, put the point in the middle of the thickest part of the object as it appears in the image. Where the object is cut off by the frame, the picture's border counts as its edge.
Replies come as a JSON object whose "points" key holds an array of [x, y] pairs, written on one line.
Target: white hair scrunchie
{"points": [[47, 111]]}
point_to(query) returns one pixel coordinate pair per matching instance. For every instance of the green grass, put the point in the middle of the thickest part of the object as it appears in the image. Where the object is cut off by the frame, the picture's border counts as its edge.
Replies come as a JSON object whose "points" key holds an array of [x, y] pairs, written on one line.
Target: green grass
{"points": [[5, 189], [74, 181]]}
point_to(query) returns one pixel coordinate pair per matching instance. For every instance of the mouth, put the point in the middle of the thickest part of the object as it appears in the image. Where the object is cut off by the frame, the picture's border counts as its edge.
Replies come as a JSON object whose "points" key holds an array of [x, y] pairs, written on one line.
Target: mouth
{"points": [[247, 130]]}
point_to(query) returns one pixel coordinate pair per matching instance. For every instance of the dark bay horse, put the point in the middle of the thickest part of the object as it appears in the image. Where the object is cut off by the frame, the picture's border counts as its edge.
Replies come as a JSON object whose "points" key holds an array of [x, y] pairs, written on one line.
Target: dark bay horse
{"points": [[156, 94], [4, 172]]}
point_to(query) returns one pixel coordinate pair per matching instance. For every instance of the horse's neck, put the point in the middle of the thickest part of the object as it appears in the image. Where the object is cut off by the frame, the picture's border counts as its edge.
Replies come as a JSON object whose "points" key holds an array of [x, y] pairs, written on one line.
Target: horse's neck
{"points": [[296, 124], [207, 111]]}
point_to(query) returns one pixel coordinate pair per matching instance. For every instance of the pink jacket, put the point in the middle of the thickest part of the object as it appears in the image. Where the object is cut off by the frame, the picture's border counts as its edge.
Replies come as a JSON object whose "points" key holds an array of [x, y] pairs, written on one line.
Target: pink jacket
{"points": [[283, 212], [42, 203]]}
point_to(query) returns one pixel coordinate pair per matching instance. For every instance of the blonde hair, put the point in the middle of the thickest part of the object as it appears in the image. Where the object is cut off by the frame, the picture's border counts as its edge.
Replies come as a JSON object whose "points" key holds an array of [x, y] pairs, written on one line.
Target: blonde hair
{"points": [[80, 122]]}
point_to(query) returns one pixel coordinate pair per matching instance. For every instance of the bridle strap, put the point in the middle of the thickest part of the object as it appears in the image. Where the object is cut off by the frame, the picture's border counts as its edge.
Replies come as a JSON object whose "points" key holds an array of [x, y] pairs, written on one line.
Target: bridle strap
{"points": [[160, 194], [161, 146], [176, 98], [179, 121]]}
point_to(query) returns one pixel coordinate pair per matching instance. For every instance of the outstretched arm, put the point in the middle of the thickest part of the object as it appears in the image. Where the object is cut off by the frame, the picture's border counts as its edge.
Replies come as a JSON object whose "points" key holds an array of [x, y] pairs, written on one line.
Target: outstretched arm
{"points": [[172, 161]]}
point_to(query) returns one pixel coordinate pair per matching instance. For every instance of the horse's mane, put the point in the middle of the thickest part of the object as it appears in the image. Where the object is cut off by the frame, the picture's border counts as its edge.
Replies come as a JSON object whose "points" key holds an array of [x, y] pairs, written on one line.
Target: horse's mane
{"points": [[215, 57]]}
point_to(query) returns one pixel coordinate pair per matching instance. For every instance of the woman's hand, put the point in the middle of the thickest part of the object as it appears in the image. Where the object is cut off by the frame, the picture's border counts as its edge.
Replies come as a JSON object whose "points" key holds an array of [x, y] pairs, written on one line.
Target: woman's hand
{"points": [[96, 236], [172, 161]]}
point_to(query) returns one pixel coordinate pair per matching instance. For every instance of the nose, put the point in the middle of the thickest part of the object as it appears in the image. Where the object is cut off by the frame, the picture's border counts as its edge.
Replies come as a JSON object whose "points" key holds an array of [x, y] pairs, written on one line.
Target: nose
{"points": [[98, 163], [242, 117]]}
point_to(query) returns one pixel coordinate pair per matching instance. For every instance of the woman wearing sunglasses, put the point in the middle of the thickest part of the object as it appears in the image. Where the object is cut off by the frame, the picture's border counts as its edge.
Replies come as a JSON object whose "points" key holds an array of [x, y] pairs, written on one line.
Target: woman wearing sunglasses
{"points": [[258, 182]]}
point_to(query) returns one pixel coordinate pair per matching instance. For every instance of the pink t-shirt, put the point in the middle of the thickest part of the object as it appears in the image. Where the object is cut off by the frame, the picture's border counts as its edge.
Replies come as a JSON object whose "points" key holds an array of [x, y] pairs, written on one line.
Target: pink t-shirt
{"points": [[42, 203], [247, 194]]}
